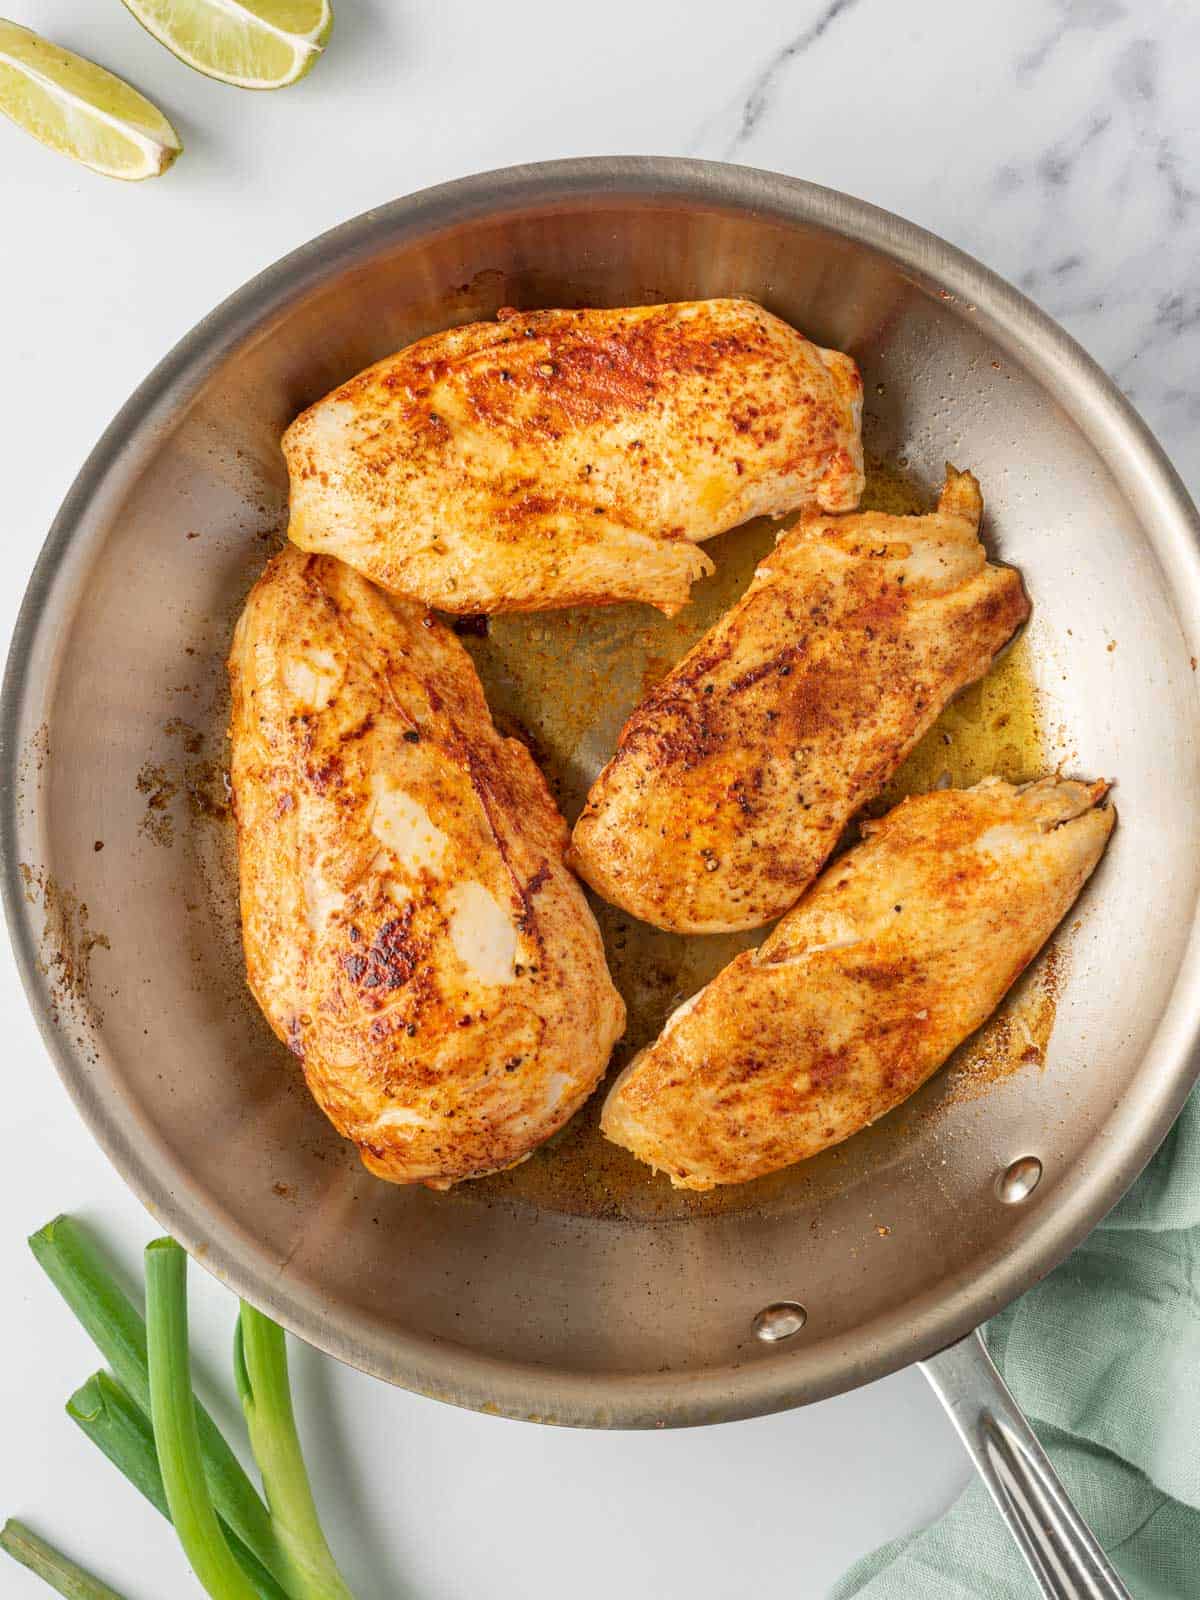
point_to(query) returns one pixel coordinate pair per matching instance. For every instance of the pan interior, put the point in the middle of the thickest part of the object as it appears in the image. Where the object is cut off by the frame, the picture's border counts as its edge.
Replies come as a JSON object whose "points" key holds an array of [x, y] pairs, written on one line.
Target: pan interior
{"points": [[564, 682], [580, 1267]]}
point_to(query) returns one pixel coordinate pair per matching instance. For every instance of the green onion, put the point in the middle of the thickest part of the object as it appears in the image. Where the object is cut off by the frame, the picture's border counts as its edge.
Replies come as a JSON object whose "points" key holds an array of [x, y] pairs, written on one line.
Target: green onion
{"points": [[108, 1416], [74, 1266], [261, 1369], [78, 1271], [50, 1565], [176, 1436]]}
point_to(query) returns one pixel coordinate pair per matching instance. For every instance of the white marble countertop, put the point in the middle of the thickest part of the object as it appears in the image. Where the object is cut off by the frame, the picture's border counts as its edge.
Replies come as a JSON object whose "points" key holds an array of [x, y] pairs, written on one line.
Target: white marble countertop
{"points": [[1058, 140]]}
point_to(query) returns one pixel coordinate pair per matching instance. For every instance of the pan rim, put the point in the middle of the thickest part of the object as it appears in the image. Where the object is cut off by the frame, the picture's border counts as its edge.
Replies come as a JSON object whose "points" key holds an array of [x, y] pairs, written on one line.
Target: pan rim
{"points": [[767, 1382]]}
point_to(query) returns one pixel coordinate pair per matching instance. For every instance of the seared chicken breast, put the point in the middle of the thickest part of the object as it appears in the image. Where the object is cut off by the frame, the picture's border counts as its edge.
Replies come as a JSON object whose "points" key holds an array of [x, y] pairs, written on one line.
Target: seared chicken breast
{"points": [[900, 951], [410, 929], [559, 458], [735, 777]]}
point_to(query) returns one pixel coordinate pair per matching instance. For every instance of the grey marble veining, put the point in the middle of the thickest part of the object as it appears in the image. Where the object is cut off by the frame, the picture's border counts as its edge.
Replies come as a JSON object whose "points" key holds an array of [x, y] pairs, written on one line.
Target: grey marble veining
{"points": [[760, 96], [1058, 140]]}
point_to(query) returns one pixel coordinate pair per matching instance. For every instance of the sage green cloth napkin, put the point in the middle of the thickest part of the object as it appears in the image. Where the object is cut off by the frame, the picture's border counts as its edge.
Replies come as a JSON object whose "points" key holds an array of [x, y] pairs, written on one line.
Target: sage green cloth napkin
{"points": [[1104, 1356]]}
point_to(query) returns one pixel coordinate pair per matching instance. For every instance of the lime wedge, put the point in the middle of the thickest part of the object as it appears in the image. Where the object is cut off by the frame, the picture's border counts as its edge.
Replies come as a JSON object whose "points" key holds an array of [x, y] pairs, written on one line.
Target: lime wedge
{"points": [[253, 44], [77, 108]]}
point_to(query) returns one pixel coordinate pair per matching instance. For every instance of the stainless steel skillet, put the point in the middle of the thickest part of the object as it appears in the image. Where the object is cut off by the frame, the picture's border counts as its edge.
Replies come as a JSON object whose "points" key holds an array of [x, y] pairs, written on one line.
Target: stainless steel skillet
{"points": [[579, 1290]]}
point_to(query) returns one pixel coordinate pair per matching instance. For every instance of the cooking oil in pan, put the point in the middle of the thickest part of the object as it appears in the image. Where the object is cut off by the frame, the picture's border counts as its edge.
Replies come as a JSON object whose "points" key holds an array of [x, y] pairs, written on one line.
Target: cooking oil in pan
{"points": [[565, 681]]}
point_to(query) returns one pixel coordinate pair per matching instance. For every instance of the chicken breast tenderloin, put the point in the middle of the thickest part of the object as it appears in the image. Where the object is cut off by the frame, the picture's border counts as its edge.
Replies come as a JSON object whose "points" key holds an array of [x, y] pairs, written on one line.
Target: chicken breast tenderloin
{"points": [[735, 777], [559, 458], [410, 929], [899, 952]]}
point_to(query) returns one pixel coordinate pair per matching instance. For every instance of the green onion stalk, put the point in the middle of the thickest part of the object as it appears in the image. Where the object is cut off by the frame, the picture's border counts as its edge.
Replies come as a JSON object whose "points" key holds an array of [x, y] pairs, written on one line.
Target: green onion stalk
{"points": [[51, 1565], [261, 1369], [176, 1435]]}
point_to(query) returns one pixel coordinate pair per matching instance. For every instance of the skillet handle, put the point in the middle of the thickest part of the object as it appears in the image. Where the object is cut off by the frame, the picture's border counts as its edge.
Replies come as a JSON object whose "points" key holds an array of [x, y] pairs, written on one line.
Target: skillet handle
{"points": [[1061, 1549]]}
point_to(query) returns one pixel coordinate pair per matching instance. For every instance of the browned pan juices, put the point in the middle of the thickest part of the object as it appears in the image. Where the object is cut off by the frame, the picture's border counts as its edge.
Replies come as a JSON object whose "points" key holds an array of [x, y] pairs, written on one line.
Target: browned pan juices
{"points": [[565, 681]]}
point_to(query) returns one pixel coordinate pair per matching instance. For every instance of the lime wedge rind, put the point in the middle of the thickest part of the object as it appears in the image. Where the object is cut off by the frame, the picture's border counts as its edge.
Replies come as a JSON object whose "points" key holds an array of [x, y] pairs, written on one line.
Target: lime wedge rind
{"points": [[236, 41], [67, 103]]}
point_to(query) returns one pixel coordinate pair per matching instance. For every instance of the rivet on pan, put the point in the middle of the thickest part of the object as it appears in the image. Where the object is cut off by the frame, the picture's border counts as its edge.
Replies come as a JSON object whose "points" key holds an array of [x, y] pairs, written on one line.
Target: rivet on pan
{"points": [[1017, 1183], [779, 1321]]}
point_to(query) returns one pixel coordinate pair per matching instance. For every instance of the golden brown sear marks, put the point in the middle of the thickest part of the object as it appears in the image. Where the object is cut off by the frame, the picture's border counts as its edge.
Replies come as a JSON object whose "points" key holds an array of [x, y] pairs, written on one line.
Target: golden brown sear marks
{"points": [[411, 931], [735, 777], [898, 952], [556, 458]]}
